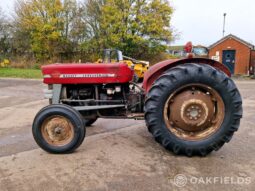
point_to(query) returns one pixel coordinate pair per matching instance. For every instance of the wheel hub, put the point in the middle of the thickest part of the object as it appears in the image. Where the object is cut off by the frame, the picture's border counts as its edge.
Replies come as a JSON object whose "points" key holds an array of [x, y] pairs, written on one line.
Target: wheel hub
{"points": [[194, 112], [57, 130], [191, 110]]}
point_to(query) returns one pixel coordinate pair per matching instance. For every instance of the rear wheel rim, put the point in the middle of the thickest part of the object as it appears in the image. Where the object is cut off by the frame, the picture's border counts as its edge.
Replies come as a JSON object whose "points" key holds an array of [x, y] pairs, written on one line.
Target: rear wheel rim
{"points": [[57, 130], [194, 112]]}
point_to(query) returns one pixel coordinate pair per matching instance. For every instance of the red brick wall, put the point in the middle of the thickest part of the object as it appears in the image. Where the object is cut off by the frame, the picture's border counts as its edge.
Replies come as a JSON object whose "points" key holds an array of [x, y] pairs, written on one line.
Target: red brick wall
{"points": [[252, 69], [243, 54]]}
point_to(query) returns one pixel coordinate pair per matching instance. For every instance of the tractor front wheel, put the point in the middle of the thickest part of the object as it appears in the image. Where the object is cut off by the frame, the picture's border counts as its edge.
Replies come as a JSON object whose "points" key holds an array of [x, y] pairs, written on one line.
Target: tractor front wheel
{"points": [[193, 109], [58, 129]]}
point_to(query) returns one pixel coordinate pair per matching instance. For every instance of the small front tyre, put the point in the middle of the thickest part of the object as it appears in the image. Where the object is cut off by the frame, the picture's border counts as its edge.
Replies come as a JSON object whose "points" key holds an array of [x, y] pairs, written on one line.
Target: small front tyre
{"points": [[58, 129]]}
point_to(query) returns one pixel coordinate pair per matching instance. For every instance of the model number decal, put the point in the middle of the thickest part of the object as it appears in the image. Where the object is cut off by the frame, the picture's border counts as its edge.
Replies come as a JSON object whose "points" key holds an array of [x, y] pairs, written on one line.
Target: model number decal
{"points": [[87, 75]]}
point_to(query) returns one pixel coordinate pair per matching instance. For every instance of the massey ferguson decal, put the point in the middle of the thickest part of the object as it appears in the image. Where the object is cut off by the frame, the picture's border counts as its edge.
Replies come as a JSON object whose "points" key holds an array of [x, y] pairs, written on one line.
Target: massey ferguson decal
{"points": [[87, 75], [84, 76]]}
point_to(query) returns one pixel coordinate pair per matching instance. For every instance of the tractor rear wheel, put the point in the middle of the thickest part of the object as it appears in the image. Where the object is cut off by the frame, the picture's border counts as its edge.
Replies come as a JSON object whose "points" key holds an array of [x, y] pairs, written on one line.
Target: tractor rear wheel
{"points": [[193, 109], [58, 129]]}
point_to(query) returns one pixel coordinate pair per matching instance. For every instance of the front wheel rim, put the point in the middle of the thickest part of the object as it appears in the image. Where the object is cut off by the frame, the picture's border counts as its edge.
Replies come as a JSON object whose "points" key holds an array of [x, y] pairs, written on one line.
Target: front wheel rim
{"points": [[194, 112], [57, 130]]}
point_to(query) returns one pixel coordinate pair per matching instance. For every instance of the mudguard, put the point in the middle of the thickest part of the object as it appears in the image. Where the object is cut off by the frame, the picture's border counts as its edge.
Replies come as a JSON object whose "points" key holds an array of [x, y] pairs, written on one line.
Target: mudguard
{"points": [[158, 69]]}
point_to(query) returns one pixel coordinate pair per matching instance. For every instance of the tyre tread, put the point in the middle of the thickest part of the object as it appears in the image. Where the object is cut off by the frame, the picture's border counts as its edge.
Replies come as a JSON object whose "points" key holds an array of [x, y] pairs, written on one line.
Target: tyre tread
{"points": [[171, 76]]}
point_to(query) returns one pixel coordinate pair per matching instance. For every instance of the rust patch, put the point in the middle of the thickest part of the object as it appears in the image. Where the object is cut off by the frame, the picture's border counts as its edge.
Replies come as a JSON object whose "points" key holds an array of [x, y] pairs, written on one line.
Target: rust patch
{"points": [[57, 131], [194, 112]]}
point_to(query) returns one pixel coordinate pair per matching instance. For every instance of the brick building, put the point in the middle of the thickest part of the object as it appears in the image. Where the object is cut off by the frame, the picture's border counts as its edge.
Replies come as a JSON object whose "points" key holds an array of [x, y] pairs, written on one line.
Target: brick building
{"points": [[237, 54]]}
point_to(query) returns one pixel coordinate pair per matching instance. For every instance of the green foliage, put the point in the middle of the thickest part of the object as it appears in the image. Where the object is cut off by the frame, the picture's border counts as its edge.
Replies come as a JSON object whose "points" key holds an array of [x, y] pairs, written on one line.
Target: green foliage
{"points": [[42, 19], [5, 33], [70, 30], [139, 28]]}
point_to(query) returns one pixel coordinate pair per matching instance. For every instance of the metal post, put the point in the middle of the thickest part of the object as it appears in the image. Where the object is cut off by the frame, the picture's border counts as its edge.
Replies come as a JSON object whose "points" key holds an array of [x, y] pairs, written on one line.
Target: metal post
{"points": [[57, 88], [224, 22]]}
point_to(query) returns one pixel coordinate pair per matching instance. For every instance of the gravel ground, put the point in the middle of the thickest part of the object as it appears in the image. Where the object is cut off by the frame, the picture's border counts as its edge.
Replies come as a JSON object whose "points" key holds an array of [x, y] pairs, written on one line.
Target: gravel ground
{"points": [[116, 154]]}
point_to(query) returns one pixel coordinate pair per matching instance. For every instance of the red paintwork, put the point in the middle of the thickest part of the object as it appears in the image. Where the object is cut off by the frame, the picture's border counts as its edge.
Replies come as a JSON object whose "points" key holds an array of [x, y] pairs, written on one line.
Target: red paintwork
{"points": [[122, 72], [156, 70]]}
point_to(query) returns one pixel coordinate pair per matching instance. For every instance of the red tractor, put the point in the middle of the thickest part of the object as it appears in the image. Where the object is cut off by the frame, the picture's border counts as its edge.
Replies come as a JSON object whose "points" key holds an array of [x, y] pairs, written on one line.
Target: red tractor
{"points": [[191, 106]]}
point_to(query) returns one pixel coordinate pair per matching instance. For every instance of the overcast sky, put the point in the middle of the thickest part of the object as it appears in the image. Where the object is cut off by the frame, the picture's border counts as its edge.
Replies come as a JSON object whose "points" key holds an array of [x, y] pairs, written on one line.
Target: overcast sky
{"points": [[201, 21]]}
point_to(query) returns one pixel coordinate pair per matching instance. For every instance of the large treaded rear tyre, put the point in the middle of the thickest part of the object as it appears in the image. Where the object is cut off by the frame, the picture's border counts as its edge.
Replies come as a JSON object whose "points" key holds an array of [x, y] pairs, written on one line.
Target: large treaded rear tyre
{"points": [[182, 76], [58, 129]]}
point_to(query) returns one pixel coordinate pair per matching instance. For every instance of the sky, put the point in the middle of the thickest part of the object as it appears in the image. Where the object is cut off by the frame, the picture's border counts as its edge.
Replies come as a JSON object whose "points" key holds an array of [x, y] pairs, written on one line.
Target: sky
{"points": [[201, 21]]}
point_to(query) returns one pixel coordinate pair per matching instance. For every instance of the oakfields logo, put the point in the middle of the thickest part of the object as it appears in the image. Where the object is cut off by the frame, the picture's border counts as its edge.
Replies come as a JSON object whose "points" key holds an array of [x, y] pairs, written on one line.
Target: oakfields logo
{"points": [[181, 180]]}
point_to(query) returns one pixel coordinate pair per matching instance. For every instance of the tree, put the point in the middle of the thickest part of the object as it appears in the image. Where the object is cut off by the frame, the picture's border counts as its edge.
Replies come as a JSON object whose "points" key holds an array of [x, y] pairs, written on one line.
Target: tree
{"points": [[92, 13], [5, 35], [138, 27], [53, 29], [42, 19], [73, 33]]}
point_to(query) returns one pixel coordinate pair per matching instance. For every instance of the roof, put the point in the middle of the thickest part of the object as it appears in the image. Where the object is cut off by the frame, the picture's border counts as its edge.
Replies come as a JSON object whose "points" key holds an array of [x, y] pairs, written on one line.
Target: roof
{"points": [[251, 46]]}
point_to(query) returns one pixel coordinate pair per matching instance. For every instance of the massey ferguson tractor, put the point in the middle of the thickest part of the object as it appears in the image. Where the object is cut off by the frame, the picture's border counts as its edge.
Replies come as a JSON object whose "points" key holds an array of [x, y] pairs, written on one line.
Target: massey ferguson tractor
{"points": [[191, 106]]}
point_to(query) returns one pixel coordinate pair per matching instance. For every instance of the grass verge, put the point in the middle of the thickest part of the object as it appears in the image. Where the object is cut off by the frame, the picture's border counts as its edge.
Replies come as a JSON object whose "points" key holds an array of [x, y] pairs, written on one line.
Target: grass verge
{"points": [[20, 73]]}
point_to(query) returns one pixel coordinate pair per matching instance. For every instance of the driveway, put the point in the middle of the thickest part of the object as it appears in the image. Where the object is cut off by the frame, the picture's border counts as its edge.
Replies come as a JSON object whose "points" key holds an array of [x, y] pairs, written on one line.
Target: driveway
{"points": [[116, 154]]}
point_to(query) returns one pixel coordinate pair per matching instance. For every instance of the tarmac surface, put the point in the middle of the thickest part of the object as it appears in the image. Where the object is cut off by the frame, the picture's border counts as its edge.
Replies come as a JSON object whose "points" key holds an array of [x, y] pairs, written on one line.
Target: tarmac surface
{"points": [[116, 154]]}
